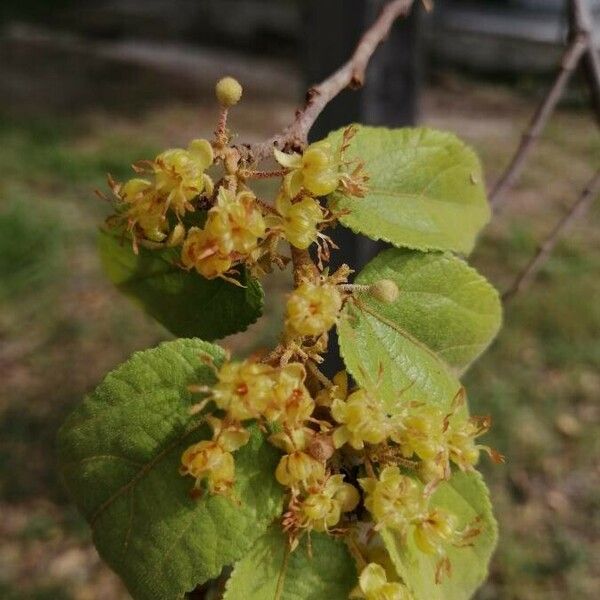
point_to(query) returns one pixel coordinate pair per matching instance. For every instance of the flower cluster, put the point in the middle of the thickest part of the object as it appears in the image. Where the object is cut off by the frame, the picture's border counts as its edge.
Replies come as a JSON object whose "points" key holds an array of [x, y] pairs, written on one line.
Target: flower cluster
{"points": [[176, 177], [438, 438], [239, 229], [232, 232], [278, 397], [419, 431], [399, 503]]}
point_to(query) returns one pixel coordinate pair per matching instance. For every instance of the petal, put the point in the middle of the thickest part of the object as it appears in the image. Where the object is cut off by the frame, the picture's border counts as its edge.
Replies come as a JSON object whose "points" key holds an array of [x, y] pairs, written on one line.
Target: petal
{"points": [[202, 151], [372, 578], [293, 182], [289, 161]]}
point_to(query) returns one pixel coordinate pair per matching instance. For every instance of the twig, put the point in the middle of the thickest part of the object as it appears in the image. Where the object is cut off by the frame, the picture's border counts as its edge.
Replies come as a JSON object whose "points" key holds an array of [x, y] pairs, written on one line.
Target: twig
{"points": [[302, 265], [578, 209], [570, 60], [351, 74]]}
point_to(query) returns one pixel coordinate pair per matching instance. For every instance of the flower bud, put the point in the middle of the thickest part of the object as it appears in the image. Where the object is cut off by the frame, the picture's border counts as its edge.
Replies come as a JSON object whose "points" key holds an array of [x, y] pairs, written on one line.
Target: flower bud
{"points": [[385, 290], [321, 447], [228, 91]]}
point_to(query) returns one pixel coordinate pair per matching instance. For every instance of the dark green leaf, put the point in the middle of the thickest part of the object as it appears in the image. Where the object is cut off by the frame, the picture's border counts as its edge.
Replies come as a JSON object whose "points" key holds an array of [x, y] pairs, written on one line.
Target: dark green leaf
{"points": [[120, 452], [184, 302]]}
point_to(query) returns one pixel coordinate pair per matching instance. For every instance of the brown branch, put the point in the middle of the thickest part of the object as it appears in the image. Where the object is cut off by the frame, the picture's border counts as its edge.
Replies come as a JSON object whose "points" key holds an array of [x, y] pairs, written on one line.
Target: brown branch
{"points": [[569, 62], [578, 209], [303, 266], [351, 74]]}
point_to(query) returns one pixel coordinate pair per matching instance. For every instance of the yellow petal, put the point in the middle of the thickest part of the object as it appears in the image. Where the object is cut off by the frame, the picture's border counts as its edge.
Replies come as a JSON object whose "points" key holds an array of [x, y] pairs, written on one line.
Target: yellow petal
{"points": [[372, 578], [288, 161], [202, 151]]}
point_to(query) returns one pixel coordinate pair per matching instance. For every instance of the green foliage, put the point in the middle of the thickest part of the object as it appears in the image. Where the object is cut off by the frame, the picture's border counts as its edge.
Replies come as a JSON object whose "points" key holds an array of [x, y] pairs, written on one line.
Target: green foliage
{"points": [[120, 452], [408, 339], [445, 315], [425, 189], [270, 571], [466, 496], [184, 302], [443, 303], [385, 359]]}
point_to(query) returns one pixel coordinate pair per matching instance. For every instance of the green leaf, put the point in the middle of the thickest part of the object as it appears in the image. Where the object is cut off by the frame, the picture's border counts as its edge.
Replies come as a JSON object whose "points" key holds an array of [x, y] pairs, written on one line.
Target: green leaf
{"points": [[183, 301], [426, 189], [467, 497], [443, 302], [120, 452], [270, 572], [387, 360]]}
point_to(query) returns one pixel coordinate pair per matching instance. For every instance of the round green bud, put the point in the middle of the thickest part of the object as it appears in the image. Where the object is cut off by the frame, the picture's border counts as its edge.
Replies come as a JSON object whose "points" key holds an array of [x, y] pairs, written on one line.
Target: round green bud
{"points": [[385, 290], [229, 91]]}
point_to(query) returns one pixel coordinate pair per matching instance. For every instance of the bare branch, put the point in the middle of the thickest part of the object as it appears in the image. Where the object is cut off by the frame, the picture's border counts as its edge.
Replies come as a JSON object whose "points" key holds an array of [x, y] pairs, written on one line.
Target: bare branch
{"points": [[578, 209], [570, 60], [351, 74]]}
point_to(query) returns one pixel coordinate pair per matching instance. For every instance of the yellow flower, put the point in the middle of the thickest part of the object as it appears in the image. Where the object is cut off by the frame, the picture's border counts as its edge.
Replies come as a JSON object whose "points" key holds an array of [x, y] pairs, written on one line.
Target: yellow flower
{"points": [[300, 220], [206, 251], [244, 390], [316, 170], [461, 436], [208, 460], [339, 391], [146, 209], [299, 469], [373, 585], [395, 500], [231, 435], [312, 309], [362, 419], [179, 174], [212, 460], [422, 431], [239, 220], [291, 402], [437, 529], [322, 509]]}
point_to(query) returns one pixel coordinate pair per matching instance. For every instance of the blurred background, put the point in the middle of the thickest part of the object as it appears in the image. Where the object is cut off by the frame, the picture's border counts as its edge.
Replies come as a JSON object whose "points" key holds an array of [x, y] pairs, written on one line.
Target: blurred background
{"points": [[87, 87]]}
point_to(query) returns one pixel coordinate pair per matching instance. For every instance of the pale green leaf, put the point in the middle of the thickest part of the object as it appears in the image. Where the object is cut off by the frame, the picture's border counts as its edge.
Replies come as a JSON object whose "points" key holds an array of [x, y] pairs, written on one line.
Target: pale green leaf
{"points": [[271, 572], [390, 362], [120, 452], [183, 301], [426, 189], [443, 302], [466, 496]]}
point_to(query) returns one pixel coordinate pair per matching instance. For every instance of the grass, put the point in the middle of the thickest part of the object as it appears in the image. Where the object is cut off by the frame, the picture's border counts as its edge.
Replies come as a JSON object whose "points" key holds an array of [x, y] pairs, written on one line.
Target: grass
{"points": [[62, 327]]}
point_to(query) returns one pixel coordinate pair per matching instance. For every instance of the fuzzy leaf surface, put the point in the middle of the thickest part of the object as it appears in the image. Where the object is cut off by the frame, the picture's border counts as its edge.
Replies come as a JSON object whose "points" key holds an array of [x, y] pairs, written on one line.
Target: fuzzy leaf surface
{"points": [[268, 572], [120, 451], [426, 189], [466, 496], [388, 361], [183, 301], [443, 302]]}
